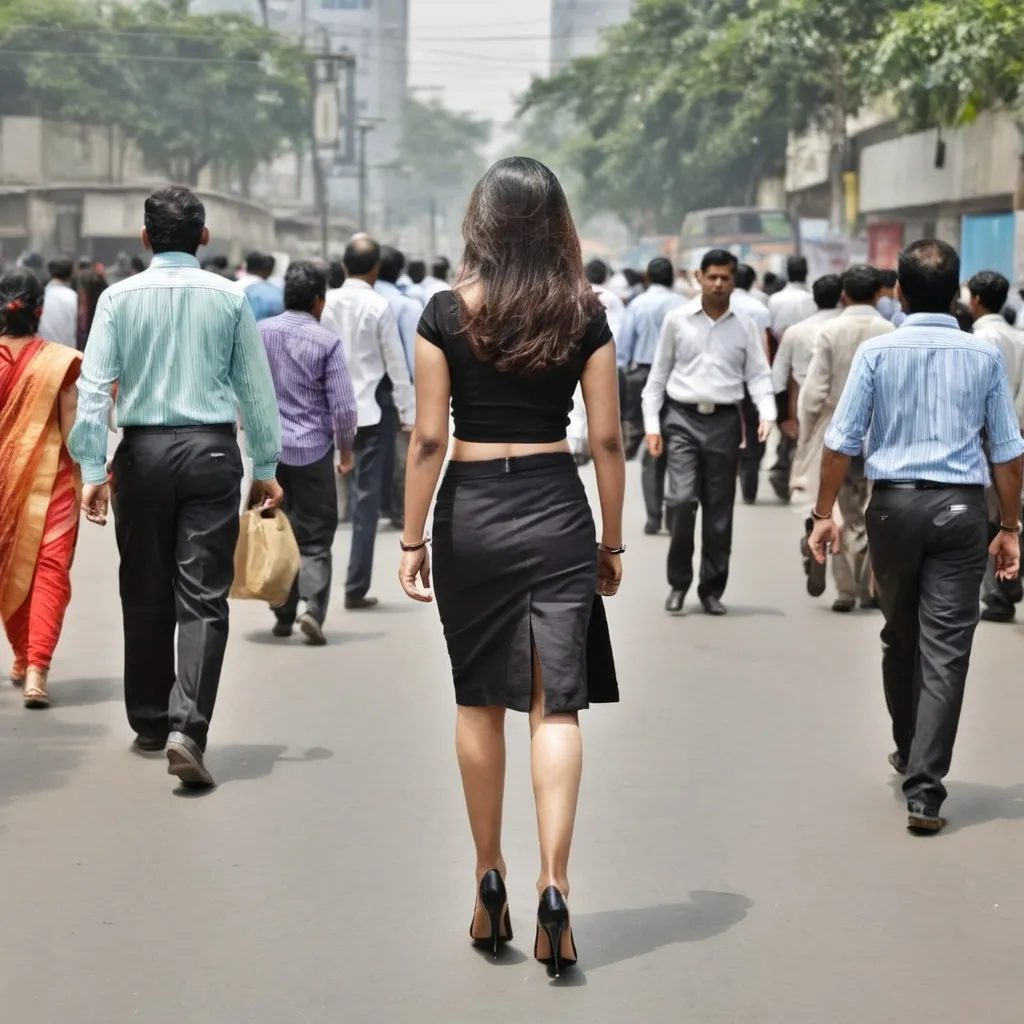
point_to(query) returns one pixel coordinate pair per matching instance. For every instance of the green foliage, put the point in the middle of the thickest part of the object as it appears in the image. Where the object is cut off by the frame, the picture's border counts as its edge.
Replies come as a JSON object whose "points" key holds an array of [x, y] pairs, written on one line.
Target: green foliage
{"points": [[945, 62], [190, 90]]}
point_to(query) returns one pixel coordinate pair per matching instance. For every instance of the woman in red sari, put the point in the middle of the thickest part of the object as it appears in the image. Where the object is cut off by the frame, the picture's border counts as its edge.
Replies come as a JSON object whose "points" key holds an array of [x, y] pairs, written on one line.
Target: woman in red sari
{"points": [[39, 484]]}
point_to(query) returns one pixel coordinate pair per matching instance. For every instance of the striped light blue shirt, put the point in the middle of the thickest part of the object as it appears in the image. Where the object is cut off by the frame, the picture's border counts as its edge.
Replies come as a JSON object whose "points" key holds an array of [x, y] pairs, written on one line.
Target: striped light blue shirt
{"points": [[185, 350], [921, 396], [637, 341]]}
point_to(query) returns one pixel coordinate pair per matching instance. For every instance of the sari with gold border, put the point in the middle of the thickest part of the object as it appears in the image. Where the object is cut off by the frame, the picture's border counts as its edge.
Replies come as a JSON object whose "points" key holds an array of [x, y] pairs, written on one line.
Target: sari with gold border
{"points": [[34, 468]]}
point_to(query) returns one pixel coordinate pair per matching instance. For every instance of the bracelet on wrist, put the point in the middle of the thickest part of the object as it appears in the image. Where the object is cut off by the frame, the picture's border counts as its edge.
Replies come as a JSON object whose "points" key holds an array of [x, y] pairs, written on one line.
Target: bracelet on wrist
{"points": [[818, 517], [1009, 529], [414, 547], [608, 550]]}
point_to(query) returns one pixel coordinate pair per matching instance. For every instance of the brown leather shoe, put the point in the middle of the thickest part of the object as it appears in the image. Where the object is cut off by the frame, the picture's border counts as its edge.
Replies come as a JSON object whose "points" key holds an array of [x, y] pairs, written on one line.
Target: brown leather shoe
{"points": [[361, 604]]}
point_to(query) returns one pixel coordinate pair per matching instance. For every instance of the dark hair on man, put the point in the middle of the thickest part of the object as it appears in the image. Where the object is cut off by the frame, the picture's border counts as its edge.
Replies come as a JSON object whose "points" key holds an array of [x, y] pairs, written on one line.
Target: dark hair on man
{"points": [[61, 269], [523, 250], [392, 263], [220, 262], [991, 289], [889, 278], [175, 218], [442, 268], [304, 283], [138, 264], [827, 291], [362, 256], [861, 284], [963, 315], [21, 303], [660, 271], [718, 258], [85, 261], [746, 276], [417, 271], [260, 264], [796, 269], [335, 273], [771, 282], [1009, 315], [929, 276], [598, 271]]}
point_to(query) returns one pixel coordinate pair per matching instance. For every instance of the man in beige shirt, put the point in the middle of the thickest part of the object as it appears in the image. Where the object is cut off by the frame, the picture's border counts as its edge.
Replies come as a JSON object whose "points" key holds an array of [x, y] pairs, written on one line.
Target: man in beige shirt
{"points": [[836, 345]]}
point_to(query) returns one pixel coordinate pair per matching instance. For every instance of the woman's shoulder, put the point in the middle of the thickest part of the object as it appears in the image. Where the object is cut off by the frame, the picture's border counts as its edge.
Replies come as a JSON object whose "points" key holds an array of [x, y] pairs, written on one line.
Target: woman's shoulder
{"points": [[441, 317]]}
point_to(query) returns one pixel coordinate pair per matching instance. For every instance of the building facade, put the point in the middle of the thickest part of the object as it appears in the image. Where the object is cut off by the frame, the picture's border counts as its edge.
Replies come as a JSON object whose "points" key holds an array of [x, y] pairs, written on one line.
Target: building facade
{"points": [[576, 27]]}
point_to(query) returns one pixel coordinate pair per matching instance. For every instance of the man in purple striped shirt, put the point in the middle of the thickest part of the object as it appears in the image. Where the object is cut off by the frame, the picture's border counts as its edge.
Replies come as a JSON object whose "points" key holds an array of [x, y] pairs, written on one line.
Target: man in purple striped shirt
{"points": [[318, 416]]}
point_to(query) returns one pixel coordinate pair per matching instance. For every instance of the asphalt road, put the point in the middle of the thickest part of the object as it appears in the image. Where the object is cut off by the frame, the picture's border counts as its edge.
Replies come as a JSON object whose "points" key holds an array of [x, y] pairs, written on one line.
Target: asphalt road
{"points": [[740, 850]]}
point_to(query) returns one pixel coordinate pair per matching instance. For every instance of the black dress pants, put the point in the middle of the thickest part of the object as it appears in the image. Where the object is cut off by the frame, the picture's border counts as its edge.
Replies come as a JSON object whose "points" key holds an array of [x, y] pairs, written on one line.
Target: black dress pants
{"points": [[652, 478], [311, 504], [702, 456], [928, 550], [176, 522], [634, 378], [367, 489], [753, 451]]}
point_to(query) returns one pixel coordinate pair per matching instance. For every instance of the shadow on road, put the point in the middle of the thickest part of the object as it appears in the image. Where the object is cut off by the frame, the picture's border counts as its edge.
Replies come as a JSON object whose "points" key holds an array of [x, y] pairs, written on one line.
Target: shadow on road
{"points": [[334, 638], [612, 936], [244, 762], [77, 693], [39, 752], [972, 803]]}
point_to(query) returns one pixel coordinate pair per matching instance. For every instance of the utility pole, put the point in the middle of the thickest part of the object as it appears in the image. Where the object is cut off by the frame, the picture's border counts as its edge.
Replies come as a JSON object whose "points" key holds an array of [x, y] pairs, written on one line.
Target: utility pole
{"points": [[364, 127]]}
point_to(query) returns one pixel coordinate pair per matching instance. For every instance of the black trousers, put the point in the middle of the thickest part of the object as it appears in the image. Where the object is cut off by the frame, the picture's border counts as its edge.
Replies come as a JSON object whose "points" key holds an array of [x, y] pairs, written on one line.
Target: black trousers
{"points": [[652, 478], [311, 504], [367, 490], [633, 380], [928, 550], [702, 455], [752, 453], [177, 526], [389, 441]]}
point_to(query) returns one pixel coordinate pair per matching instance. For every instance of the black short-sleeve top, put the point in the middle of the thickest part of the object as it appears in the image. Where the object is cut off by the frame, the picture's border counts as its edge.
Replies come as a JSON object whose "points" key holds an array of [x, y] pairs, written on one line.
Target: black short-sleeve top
{"points": [[491, 406]]}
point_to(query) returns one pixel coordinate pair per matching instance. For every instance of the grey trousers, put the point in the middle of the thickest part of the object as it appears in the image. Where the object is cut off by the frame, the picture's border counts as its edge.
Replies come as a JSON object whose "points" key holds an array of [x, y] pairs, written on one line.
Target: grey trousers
{"points": [[702, 456], [929, 550], [851, 565]]}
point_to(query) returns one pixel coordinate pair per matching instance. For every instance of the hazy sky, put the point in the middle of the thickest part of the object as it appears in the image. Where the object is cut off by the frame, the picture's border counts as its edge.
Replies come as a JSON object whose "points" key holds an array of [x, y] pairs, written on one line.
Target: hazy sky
{"points": [[478, 54]]}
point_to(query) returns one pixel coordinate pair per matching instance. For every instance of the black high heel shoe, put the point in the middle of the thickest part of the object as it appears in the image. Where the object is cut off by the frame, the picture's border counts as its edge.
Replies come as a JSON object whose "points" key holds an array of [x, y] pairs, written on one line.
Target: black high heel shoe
{"points": [[494, 899], [553, 917]]}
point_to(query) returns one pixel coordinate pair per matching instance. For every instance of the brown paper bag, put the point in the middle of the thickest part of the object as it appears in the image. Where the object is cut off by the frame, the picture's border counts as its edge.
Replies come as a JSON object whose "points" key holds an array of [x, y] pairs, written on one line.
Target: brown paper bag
{"points": [[266, 557]]}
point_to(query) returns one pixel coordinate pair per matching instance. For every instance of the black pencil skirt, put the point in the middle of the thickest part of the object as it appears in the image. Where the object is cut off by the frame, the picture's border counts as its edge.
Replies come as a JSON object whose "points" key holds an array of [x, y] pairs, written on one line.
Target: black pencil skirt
{"points": [[515, 567]]}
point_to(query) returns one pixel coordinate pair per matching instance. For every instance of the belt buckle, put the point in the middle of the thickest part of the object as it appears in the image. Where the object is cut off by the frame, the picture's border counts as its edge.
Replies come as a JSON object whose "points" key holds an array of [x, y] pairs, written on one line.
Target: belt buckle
{"points": [[705, 408]]}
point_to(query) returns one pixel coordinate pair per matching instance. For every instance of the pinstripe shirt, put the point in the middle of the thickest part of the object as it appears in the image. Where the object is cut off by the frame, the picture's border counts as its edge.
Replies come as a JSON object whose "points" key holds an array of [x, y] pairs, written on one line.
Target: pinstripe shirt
{"points": [[185, 350], [921, 396], [314, 389]]}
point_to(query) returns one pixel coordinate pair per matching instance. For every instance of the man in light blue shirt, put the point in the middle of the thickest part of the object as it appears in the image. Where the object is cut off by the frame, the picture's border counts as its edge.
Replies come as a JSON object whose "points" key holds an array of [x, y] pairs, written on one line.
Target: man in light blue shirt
{"points": [[266, 299], [635, 347], [920, 397], [407, 312], [184, 350]]}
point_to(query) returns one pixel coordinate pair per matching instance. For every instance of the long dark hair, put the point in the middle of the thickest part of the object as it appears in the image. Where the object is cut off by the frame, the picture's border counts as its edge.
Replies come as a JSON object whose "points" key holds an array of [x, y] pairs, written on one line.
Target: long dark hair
{"points": [[523, 249], [21, 303]]}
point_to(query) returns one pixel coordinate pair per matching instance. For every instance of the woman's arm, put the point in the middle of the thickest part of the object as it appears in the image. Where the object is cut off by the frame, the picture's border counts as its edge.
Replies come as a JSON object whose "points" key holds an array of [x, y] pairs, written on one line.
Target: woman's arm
{"points": [[601, 396], [67, 408], [427, 450]]}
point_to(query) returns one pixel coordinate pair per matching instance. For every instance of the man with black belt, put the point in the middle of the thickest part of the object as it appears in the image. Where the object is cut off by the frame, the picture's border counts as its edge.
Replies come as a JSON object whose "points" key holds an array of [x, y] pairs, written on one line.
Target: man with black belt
{"points": [[636, 344], [318, 417], [183, 346], [922, 396], [707, 352]]}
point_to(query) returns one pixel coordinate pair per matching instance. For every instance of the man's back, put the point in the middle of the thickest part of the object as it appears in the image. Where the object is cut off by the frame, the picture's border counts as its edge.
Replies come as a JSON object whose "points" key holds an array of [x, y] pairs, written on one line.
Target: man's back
{"points": [[1010, 342], [789, 306], [59, 321], [266, 299], [797, 348], [642, 323], [837, 344], [757, 311]]}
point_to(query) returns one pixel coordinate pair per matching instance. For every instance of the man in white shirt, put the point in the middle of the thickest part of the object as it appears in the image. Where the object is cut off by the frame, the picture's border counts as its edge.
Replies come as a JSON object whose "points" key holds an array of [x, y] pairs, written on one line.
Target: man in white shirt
{"points": [[795, 302], [753, 451], [436, 281], [407, 312], [706, 354], [384, 398], [744, 301], [989, 291], [598, 273], [59, 322]]}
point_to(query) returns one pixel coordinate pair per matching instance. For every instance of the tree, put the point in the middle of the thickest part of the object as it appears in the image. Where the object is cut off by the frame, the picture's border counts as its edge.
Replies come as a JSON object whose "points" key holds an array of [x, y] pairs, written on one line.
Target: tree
{"points": [[190, 90], [655, 128]]}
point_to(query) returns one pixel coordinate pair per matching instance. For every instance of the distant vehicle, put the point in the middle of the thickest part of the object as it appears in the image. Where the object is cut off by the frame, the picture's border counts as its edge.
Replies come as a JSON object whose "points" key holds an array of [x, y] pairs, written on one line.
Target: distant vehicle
{"points": [[762, 238]]}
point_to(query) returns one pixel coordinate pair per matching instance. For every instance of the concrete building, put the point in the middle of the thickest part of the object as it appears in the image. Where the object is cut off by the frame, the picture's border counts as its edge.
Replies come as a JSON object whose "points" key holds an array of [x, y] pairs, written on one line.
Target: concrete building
{"points": [[576, 26], [376, 32]]}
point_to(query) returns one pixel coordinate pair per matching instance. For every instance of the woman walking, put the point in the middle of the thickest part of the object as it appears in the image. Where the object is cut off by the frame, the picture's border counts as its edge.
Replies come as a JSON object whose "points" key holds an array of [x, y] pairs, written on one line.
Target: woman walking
{"points": [[39, 484], [517, 563]]}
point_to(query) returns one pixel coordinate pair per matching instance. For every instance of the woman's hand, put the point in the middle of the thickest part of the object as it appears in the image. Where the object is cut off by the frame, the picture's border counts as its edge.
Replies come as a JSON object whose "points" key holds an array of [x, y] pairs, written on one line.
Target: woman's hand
{"points": [[609, 573], [416, 564]]}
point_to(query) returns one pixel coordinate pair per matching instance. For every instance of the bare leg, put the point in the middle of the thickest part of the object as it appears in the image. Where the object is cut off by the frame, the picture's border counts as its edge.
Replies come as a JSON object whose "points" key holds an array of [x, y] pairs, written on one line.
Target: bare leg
{"points": [[557, 763], [480, 745]]}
